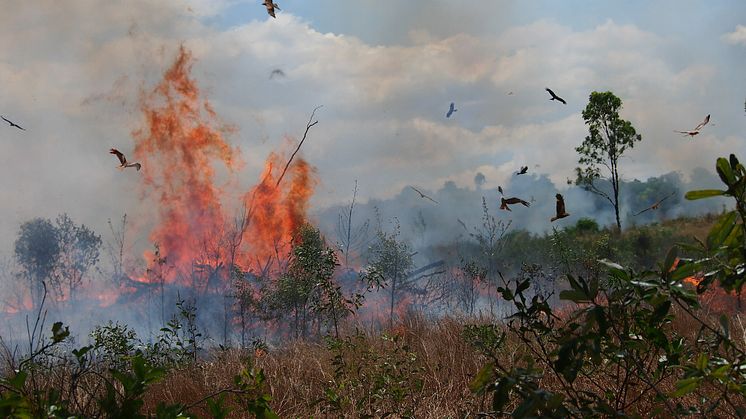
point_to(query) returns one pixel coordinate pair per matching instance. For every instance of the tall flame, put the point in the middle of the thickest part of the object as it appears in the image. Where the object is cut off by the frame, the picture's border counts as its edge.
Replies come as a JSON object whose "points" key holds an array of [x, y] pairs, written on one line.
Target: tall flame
{"points": [[180, 148], [277, 211]]}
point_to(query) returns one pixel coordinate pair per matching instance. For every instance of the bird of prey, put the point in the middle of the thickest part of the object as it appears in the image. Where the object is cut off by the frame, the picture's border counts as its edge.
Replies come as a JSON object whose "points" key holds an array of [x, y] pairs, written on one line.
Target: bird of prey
{"points": [[451, 110], [523, 171], [12, 124], [555, 97], [276, 72], [500, 189], [561, 213], [422, 195], [512, 201], [271, 7], [696, 130], [123, 160], [656, 205]]}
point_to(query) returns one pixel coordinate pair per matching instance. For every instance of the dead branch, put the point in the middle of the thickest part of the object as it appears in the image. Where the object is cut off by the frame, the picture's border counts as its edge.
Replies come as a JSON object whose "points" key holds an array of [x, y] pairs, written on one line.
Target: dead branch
{"points": [[308, 127]]}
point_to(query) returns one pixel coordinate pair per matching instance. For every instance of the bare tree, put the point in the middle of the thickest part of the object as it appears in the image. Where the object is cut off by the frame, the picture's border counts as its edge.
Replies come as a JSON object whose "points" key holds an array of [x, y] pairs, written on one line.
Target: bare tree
{"points": [[351, 239]]}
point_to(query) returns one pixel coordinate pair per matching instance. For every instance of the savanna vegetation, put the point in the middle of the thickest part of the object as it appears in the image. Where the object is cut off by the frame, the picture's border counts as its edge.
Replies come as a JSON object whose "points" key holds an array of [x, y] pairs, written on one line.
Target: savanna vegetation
{"points": [[584, 321]]}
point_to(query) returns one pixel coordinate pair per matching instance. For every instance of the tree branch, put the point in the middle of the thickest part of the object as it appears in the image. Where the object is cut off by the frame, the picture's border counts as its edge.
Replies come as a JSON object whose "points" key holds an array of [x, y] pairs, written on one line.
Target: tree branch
{"points": [[308, 127]]}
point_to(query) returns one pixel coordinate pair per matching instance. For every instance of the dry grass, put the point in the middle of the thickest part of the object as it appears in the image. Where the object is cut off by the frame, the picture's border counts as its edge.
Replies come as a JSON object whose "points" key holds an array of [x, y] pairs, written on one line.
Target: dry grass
{"points": [[298, 373]]}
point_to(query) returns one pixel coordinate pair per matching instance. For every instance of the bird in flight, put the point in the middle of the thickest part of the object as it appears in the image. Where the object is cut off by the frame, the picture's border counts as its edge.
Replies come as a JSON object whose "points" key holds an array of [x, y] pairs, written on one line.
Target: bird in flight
{"points": [[696, 130], [656, 205], [13, 124], [555, 97], [123, 160], [523, 171], [561, 213], [512, 201], [422, 195], [271, 7], [500, 189], [276, 72], [451, 110]]}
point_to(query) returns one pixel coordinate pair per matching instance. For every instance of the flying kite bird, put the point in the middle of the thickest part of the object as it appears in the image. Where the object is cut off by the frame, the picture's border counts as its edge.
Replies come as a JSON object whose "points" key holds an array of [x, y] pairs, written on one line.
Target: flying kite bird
{"points": [[555, 97], [656, 205], [696, 130], [512, 201], [422, 195], [451, 110], [500, 189], [123, 160], [561, 213], [523, 171], [271, 7], [13, 124], [276, 72]]}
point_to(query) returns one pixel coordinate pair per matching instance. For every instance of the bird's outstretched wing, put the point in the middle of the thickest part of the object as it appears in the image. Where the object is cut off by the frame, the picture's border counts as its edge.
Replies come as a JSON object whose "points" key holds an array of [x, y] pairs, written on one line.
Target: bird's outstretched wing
{"points": [[136, 166], [655, 205], [13, 124], [422, 195], [703, 123], [515, 200], [120, 156], [500, 189]]}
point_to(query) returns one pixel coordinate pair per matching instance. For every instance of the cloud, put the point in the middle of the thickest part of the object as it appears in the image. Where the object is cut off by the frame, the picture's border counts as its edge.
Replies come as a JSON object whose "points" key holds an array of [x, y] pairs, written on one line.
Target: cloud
{"points": [[76, 77], [736, 37]]}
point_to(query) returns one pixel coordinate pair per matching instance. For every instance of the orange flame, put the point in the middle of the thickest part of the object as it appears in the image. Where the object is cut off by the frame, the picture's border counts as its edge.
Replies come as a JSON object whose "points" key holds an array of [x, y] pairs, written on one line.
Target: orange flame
{"points": [[179, 149], [277, 211]]}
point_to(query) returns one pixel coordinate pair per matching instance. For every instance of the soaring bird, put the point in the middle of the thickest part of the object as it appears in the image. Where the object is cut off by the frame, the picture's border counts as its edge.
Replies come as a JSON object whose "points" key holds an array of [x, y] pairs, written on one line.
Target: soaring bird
{"points": [[656, 205], [696, 130], [561, 213], [500, 189], [451, 110], [13, 124], [276, 72], [512, 201], [523, 171], [123, 160], [271, 7], [422, 195], [555, 97]]}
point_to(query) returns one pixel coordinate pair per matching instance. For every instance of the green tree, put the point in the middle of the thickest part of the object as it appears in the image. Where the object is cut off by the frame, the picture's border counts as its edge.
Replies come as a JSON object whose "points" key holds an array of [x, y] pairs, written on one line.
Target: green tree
{"points": [[79, 251], [391, 260], [308, 290], [609, 137], [37, 249]]}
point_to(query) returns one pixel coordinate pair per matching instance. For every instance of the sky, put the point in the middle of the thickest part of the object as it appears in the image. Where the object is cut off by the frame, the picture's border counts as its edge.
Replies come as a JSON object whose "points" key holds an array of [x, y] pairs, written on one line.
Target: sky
{"points": [[385, 71]]}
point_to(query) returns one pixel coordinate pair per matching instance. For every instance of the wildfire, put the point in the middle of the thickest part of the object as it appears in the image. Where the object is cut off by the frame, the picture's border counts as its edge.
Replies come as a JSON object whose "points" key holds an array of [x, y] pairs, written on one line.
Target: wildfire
{"points": [[180, 148]]}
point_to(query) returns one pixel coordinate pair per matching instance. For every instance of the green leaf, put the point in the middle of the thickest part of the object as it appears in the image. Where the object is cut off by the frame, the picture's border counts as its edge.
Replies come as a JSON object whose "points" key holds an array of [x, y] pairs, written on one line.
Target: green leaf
{"points": [[686, 386], [483, 379], [724, 171], [702, 362], [670, 258], [721, 230], [703, 193], [577, 296]]}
